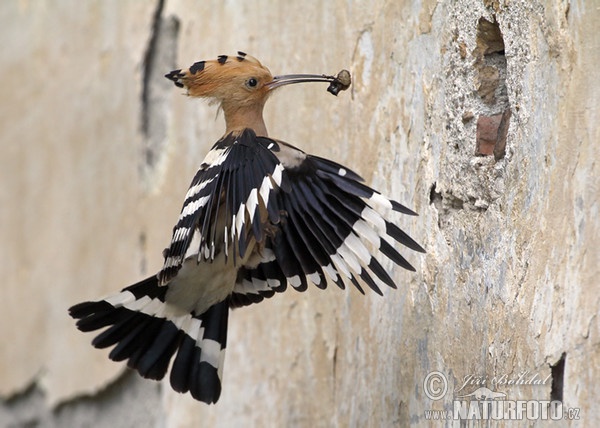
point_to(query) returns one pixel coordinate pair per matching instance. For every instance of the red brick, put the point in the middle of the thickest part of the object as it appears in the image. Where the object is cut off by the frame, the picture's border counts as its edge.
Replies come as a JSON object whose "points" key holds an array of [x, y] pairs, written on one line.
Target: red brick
{"points": [[487, 134]]}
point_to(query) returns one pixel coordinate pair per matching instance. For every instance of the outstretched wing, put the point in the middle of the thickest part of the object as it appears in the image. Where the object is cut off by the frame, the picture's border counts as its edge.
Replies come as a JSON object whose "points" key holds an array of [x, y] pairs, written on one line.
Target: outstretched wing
{"points": [[312, 218], [331, 218], [227, 203]]}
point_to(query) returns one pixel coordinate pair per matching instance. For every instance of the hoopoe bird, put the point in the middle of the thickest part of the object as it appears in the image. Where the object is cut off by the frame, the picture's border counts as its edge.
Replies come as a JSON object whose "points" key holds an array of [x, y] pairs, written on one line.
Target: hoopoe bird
{"points": [[260, 215]]}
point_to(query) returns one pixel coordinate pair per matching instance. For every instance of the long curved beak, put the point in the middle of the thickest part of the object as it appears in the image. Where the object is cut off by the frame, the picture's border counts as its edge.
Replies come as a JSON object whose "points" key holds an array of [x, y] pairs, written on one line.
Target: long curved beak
{"points": [[289, 79], [337, 83]]}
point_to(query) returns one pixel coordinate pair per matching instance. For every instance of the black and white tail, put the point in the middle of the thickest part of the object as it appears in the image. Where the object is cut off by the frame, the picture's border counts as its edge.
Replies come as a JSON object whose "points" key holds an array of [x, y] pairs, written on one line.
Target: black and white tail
{"points": [[146, 331]]}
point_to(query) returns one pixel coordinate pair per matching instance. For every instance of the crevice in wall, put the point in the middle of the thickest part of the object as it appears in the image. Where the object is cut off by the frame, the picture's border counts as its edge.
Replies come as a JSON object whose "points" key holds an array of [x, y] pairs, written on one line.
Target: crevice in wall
{"points": [[435, 197], [446, 201], [160, 57], [490, 61], [478, 127], [558, 378], [491, 71], [448, 204], [334, 369]]}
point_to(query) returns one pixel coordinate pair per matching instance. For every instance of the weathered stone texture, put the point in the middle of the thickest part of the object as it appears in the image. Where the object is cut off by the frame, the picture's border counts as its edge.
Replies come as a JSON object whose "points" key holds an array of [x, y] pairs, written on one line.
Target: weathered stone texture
{"points": [[98, 150]]}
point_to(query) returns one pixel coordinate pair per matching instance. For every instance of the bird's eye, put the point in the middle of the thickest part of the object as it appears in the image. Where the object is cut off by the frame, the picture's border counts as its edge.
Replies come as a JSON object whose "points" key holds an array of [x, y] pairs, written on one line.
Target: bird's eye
{"points": [[252, 82]]}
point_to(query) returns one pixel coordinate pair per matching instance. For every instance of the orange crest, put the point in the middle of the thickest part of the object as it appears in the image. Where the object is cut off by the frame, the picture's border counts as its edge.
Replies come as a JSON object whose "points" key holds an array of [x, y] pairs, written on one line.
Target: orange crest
{"points": [[241, 78]]}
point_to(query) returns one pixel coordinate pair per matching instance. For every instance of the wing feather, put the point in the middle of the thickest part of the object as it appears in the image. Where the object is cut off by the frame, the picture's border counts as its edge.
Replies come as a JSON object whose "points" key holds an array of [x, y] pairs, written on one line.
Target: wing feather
{"points": [[223, 203], [312, 219], [328, 221]]}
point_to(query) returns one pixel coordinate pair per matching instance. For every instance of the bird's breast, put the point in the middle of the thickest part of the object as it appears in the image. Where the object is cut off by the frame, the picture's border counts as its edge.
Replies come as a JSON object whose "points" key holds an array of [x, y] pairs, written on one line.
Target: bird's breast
{"points": [[199, 285]]}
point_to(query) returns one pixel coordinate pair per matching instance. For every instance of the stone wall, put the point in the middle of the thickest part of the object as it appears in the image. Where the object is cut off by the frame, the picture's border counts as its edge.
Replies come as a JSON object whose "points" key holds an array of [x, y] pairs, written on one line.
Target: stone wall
{"points": [[481, 115]]}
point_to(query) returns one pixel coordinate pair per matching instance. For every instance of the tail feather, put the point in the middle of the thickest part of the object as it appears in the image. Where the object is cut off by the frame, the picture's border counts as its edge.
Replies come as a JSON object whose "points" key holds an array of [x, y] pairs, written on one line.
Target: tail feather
{"points": [[154, 363], [207, 383], [79, 310], [102, 315], [199, 361], [117, 332], [130, 342], [146, 333], [181, 379]]}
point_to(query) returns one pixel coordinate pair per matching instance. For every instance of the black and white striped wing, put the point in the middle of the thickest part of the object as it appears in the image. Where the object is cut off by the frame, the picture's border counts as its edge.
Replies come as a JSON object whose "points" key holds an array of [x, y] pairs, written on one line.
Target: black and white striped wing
{"points": [[227, 202], [331, 220]]}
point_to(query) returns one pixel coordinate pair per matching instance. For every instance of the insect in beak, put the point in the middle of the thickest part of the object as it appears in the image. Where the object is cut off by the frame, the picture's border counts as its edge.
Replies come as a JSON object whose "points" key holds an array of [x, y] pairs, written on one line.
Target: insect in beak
{"points": [[338, 83]]}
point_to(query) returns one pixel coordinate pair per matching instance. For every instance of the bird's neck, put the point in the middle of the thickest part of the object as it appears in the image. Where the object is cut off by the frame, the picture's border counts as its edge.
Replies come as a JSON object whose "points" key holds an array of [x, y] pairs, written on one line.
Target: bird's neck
{"points": [[239, 118]]}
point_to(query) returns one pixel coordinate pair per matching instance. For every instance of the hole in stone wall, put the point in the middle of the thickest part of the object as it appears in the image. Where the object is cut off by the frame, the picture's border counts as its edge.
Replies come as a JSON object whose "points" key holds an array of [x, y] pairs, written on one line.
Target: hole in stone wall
{"points": [[490, 64], [446, 204], [435, 198], [489, 37], [490, 61], [558, 376]]}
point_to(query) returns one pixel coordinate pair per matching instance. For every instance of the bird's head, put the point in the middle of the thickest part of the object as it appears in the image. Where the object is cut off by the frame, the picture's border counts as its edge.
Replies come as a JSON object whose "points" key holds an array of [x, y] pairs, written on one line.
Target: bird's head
{"points": [[239, 80], [241, 85]]}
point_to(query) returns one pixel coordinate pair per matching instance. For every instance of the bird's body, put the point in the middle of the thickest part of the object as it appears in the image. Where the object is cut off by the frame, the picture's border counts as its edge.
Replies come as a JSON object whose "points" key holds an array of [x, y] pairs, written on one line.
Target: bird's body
{"points": [[259, 215]]}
